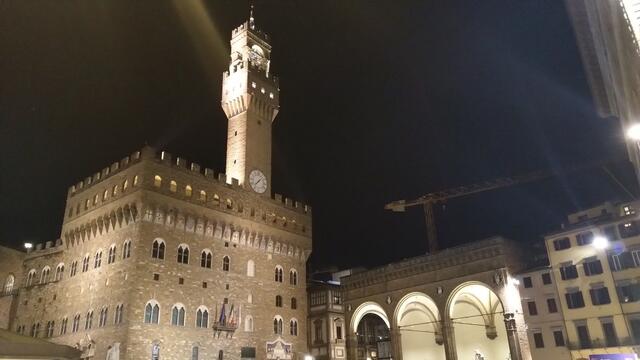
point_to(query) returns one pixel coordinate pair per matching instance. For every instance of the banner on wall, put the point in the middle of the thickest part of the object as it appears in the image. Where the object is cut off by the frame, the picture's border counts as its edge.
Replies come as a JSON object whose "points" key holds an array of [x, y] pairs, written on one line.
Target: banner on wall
{"points": [[280, 350], [613, 357]]}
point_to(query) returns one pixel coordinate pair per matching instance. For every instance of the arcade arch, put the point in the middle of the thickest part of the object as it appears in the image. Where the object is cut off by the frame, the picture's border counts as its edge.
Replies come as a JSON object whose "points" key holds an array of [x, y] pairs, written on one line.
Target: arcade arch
{"points": [[476, 315], [419, 324]]}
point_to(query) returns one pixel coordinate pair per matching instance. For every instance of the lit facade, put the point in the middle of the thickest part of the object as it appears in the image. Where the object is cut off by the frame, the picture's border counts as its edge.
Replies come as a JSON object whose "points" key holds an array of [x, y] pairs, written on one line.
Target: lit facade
{"points": [[595, 261], [161, 258], [607, 36]]}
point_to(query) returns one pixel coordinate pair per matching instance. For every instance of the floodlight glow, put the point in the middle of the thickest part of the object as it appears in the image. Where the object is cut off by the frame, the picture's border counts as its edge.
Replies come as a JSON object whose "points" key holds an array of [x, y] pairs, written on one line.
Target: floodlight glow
{"points": [[308, 357], [600, 242], [28, 245], [633, 132]]}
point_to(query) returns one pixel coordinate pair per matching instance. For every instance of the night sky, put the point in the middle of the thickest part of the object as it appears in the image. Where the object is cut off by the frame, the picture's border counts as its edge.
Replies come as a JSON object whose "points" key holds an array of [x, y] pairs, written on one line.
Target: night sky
{"points": [[380, 101]]}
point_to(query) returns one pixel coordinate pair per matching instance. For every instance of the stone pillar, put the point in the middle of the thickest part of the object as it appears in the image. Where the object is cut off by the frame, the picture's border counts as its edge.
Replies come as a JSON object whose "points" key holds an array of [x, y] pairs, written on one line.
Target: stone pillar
{"points": [[512, 336], [396, 344], [352, 346], [449, 340]]}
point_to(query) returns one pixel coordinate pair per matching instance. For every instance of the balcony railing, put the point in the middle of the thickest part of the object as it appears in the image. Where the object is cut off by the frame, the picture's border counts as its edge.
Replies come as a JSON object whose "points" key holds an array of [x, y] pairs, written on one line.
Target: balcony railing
{"points": [[600, 344]]}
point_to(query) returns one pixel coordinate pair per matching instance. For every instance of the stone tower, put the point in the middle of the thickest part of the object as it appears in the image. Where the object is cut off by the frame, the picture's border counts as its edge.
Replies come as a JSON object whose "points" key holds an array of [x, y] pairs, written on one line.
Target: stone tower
{"points": [[251, 102]]}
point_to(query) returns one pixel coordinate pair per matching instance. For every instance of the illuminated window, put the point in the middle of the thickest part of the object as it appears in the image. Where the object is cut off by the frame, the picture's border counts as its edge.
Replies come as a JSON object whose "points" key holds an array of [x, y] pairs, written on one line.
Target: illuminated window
{"points": [[8, 284], [152, 312], [293, 277], [248, 323], [177, 315], [229, 204], [205, 259], [183, 254], [251, 268], [136, 180], [116, 189], [188, 191], [157, 249], [216, 199], [95, 199], [203, 195], [253, 84], [86, 204], [125, 185], [271, 95], [628, 210], [157, 181], [105, 195], [262, 90], [226, 262], [173, 186]]}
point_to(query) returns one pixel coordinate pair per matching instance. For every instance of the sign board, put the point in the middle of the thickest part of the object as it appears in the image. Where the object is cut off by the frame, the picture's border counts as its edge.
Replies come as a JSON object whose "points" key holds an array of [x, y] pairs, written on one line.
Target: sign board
{"points": [[613, 357], [280, 350]]}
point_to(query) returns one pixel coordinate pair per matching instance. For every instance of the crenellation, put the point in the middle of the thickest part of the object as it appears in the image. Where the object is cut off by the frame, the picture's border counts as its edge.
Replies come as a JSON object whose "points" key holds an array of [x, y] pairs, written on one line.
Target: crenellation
{"points": [[195, 167]]}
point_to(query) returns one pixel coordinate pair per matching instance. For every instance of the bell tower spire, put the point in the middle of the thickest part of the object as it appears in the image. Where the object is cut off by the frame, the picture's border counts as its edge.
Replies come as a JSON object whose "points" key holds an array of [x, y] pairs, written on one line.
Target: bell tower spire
{"points": [[250, 99]]}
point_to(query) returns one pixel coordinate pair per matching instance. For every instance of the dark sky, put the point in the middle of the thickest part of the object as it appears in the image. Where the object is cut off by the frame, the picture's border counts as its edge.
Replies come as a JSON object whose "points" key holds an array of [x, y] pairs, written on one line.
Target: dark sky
{"points": [[380, 100]]}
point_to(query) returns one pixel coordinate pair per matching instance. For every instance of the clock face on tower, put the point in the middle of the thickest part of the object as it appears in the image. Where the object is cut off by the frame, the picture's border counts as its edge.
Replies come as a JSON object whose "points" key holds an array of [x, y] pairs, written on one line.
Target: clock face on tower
{"points": [[258, 181]]}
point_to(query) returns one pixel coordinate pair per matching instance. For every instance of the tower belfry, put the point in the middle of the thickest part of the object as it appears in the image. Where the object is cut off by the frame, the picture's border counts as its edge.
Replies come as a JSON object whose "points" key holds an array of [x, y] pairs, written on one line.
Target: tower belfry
{"points": [[250, 99]]}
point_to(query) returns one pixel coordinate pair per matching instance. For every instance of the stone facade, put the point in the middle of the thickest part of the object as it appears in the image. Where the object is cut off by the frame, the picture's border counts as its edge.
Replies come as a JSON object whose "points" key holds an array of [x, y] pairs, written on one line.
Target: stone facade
{"points": [[154, 250], [460, 303], [10, 275]]}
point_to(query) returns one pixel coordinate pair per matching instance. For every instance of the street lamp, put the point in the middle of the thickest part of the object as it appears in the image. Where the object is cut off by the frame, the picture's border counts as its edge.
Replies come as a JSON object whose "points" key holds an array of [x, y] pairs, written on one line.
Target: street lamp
{"points": [[28, 246], [600, 242]]}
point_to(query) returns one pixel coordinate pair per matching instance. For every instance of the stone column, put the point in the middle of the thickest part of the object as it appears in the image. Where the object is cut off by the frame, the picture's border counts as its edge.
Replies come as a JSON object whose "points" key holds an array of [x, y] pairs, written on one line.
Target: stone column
{"points": [[352, 346], [396, 343], [449, 340], [512, 336]]}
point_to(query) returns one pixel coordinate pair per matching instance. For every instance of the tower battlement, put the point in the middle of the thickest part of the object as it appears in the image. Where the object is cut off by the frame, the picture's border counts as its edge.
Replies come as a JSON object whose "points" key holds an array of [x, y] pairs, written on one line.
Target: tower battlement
{"points": [[245, 27]]}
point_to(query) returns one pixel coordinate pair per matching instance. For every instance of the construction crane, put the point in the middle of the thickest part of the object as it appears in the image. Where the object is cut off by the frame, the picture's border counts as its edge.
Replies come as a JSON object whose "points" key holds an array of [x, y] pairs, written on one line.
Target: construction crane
{"points": [[429, 200]]}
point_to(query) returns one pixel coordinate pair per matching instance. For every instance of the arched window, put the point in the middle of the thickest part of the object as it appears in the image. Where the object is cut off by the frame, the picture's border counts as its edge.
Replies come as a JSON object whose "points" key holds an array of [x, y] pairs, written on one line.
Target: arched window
{"points": [[125, 185], [173, 186], [76, 323], [103, 317], [248, 323], [44, 275], [194, 353], [85, 263], [251, 268], [183, 254], [277, 325], [88, 320], [152, 312], [105, 195], [216, 199], [63, 325], [205, 259], [115, 190], [8, 284], [293, 327], [157, 181], [226, 263], [293, 277], [188, 191], [98, 259], [126, 249], [74, 268], [112, 254], [136, 180], [35, 330], [278, 301], [294, 303], [155, 351], [95, 199], [30, 276], [177, 315], [278, 273], [229, 204], [157, 249], [119, 312], [202, 317], [59, 272], [203, 195]]}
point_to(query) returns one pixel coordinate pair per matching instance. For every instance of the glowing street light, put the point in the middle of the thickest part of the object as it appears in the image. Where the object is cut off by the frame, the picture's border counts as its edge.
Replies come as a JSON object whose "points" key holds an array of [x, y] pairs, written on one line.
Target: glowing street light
{"points": [[28, 246], [633, 132], [600, 242]]}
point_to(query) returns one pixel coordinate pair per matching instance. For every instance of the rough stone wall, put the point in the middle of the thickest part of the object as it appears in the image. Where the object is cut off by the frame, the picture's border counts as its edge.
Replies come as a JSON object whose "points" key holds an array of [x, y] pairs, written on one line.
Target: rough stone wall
{"points": [[10, 266], [130, 281]]}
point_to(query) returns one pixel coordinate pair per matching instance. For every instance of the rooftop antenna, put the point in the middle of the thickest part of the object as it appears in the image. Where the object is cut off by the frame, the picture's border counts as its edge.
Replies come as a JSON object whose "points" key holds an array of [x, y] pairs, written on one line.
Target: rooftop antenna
{"points": [[252, 24]]}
